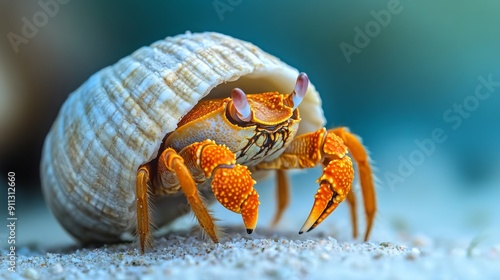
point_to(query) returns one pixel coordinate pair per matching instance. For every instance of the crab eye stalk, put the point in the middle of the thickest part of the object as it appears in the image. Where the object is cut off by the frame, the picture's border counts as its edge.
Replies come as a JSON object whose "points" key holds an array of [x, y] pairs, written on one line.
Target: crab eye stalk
{"points": [[240, 108], [299, 90]]}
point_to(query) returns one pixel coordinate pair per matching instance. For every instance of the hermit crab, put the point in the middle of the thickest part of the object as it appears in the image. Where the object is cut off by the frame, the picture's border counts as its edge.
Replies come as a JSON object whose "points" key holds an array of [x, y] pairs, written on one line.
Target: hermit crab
{"points": [[192, 116]]}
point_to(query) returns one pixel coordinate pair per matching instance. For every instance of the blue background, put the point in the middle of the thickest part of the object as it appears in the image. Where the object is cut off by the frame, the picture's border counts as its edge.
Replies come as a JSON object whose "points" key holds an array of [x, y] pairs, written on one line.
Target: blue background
{"points": [[392, 93]]}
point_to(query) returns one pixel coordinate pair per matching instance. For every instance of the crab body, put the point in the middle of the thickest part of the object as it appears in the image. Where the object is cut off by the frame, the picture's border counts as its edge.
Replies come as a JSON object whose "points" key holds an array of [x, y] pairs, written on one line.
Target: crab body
{"points": [[252, 142], [221, 139]]}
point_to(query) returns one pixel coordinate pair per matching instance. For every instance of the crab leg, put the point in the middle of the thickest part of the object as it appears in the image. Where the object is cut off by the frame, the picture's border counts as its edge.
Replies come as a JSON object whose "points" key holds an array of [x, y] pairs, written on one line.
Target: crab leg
{"points": [[351, 199], [232, 183], [326, 147], [283, 195], [172, 168], [142, 204], [362, 159]]}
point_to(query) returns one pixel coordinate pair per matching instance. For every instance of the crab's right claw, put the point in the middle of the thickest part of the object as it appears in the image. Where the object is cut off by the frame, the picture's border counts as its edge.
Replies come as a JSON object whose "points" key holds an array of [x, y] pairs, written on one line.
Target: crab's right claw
{"points": [[233, 188], [335, 184]]}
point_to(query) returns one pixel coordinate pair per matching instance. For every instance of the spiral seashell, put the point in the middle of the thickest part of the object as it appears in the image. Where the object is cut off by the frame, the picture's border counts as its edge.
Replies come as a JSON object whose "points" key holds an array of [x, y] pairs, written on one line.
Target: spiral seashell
{"points": [[117, 119]]}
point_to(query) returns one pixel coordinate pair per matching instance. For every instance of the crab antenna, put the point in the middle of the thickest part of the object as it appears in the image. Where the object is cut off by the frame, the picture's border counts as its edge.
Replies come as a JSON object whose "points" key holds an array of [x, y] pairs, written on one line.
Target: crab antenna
{"points": [[240, 103], [300, 90]]}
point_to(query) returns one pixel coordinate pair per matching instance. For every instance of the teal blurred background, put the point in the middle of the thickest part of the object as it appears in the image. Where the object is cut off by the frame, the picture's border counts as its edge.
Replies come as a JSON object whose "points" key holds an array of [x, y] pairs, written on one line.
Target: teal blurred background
{"points": [[395, 90]]}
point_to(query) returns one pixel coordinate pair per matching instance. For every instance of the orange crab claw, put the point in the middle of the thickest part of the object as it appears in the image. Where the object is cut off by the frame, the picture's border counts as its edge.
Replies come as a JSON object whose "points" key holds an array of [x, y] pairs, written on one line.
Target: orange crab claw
{"points": [[335, 184], [232, 184], [233, 188]]}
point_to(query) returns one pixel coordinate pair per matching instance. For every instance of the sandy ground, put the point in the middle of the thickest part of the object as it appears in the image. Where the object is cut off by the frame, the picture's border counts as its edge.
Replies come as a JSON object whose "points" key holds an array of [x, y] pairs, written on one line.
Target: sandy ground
{"points": [[449, 238], [266, 255]]}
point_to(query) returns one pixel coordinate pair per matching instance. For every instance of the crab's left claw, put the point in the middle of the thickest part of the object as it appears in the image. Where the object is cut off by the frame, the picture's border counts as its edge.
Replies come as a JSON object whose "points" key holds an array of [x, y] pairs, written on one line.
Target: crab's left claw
{"points": [[335, 184], [233, 188]]}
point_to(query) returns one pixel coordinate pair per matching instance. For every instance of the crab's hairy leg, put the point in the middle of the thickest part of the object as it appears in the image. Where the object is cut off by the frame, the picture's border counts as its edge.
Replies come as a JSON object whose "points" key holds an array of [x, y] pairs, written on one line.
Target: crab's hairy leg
{"points": [[309, 150], [351, 199], [143, 221], [232, 183], [361, 157], [282, 195], [171, 161]]}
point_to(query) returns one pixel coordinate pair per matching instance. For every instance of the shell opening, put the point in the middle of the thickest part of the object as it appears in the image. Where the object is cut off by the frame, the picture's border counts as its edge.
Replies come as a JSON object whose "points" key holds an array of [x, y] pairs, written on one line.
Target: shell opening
{"points": [[255, 82]]}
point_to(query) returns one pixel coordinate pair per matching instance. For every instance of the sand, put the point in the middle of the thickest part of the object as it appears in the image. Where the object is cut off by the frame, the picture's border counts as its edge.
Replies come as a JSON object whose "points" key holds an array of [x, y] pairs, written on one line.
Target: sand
{"points": [[264, 255], [416, 236]]}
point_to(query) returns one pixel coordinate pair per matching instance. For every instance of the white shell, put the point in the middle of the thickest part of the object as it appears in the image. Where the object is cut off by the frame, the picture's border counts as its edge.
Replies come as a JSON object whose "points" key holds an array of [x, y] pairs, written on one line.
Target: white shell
{"points": [[116, 122]]}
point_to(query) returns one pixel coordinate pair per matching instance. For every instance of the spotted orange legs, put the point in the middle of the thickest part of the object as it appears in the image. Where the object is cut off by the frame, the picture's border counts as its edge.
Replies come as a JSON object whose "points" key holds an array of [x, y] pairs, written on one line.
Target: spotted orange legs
{"points": [[232, 185], [328, 148]]}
